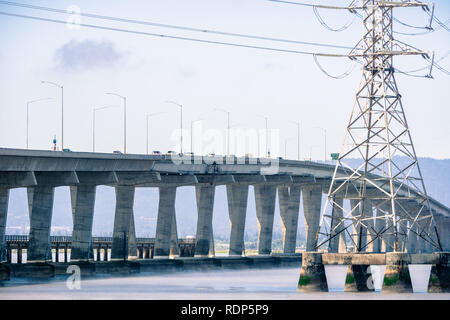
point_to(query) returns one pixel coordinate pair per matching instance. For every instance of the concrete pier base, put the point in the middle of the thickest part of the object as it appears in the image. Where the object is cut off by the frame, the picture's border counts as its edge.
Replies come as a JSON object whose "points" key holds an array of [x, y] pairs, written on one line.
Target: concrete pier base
{"points": [[396, 278], [442, 271], [312, 273]]}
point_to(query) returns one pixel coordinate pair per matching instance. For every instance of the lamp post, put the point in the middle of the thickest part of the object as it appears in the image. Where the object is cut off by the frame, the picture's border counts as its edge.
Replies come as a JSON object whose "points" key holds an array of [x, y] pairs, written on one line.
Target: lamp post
{"points": [[124, 119], [28, 112], [62, 110], [93, 123], [147, 116], [298, 138], [181, 123], [228, 128]]}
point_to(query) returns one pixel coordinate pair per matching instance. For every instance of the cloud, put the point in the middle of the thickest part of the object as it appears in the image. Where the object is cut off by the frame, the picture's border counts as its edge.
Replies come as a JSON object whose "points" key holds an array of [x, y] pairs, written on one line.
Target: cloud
{"points": [[87, 54]]}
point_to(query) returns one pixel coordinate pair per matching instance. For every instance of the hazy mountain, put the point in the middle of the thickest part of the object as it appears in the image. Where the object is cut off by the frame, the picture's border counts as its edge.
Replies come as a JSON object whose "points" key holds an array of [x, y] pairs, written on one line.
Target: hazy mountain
{"points": [[436, 174]]}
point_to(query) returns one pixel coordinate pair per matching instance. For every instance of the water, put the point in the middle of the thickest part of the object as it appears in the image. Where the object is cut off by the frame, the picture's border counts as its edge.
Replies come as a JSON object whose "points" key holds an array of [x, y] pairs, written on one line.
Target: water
{"points": [[271, 284]]}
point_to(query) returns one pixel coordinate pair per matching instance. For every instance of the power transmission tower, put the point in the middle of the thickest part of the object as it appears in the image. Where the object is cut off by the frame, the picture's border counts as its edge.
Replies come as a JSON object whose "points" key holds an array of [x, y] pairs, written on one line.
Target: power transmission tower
{"points": [[369, 170]]}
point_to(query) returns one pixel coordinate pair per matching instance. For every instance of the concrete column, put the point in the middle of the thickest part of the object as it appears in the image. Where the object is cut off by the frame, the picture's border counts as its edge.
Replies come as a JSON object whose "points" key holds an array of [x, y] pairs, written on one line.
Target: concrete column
{"points": [[205, 206], [411, 244], [132, 248], [166, 213], [83, 201], [368, 233], [265, 196], [337, 243], [237, 196], [39, 247], [174, 245], [443, 226], [289, 200], [122, 221], [4, 199], [380, 225], [312, 204], [363, 211]]}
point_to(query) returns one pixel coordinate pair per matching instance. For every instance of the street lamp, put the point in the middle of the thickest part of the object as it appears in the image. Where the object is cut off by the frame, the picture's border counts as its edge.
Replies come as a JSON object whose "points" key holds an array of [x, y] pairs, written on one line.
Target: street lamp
{"points": [[147, 116], [62, 110], [124, 119], [28, 111], [325, 140], [93, 123], [298, 138], [228, 128], [181, 122]]}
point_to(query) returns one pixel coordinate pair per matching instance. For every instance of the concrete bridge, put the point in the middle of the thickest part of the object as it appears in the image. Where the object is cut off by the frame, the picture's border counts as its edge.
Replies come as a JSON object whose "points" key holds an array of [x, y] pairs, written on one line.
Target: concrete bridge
{"points": [[41, 171]]}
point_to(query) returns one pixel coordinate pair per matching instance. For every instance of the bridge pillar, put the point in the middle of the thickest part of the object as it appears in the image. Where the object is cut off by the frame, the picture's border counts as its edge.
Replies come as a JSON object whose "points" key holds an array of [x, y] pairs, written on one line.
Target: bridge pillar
{"points": [[443, 226], [265, 196], [289, 200], [369, 232], [4, 199], [312, 203], [237, 197], [166, 217], [337, 244], [122, 242], [205, 206], [40, 200], [380, 225], [174, 245], [360, 230], [83, 201]]}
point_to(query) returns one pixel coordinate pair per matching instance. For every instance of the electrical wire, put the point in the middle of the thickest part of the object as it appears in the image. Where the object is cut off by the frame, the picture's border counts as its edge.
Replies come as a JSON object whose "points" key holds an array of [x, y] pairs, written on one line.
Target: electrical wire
{"points": [[154, 24], [176, 37], [311, 5], [325, 25], [341, 76]]}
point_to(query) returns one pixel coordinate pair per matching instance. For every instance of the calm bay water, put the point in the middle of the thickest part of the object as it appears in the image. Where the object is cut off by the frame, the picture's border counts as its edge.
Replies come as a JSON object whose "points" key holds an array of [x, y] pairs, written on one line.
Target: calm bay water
{"points": [[234, 284]]}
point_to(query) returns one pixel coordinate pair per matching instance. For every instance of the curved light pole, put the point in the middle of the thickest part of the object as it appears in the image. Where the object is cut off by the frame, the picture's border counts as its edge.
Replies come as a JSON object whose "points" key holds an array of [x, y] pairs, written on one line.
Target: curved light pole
{"points": [[147, 116], [228, 128], [124, 119], [181, 122], [62, 110], [93, 123], [298, 138], [28, 112]]}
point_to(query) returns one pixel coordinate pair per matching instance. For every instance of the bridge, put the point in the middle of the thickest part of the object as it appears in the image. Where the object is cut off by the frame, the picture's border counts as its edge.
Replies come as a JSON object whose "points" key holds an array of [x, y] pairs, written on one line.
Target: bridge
{"points": [[41, 171]]}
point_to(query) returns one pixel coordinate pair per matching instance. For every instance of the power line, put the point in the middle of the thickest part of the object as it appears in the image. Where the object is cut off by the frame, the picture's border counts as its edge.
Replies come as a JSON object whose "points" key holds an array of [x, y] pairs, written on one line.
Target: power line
{"points": [[154, 24], [325, 25], [311, 5], [176, 37], [341, 76]]}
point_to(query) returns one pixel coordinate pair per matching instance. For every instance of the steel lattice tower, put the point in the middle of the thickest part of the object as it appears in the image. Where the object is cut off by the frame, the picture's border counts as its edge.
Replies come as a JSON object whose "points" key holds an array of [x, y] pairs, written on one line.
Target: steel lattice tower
{"points": [[378, 135]]}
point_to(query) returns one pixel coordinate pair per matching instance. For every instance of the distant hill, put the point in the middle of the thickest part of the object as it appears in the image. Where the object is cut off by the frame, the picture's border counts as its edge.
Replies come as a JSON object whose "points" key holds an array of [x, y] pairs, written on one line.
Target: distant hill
{"points": [[436, 174]]}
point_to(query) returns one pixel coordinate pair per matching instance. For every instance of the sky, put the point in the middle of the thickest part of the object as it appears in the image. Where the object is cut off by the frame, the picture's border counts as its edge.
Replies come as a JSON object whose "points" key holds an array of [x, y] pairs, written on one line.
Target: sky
{"points": [[251, 84]]}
